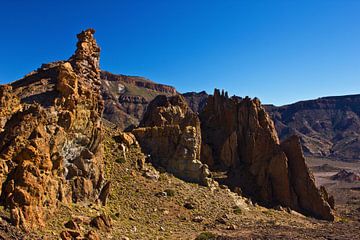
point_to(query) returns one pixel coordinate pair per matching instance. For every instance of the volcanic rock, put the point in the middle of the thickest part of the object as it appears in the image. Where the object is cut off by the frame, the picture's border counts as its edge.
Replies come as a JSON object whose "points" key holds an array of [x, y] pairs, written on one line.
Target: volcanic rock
{"points": [[9, 104], [170, 133], [92, 235], [126, 97], [196, 101], [327, 127], [101, 222], [346, 176], [51, 139], [243, 142]]}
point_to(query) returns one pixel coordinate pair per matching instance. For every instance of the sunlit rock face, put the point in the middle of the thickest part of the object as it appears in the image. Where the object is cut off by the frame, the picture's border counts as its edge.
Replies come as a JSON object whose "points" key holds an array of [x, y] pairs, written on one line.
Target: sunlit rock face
{"points": [[239, 137], [50, 144], [170, 133]]}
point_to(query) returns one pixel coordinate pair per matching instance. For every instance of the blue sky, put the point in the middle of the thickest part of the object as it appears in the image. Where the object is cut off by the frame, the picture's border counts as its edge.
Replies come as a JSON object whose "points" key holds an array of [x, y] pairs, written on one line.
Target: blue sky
{"points": [[279, 51]]}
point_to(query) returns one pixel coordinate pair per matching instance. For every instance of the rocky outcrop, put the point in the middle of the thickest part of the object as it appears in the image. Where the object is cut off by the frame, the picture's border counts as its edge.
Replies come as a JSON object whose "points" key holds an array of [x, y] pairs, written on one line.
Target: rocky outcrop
{"points": [[50, 148], [347, 176], [126, 97], [9, 104], [328, 127], [170, 133], [240, 138]]}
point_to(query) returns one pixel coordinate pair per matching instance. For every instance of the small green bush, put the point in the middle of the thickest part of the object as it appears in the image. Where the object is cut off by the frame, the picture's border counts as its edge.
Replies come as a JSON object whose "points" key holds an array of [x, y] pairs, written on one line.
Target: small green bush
{"points": [[120, 160], [170, 192], [237, 210], [206, 236]]}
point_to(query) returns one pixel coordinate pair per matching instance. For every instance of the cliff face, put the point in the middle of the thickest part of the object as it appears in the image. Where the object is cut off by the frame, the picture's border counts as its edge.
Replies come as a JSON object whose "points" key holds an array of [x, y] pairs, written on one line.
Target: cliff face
{"points": [[126, 97], [328, 127], [240, 138], [50, 145]]}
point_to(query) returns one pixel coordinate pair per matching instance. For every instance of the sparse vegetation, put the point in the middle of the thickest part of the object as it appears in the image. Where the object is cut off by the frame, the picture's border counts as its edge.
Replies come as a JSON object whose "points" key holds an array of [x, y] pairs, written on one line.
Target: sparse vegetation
{"points": [[206, 236], [170, 192]]}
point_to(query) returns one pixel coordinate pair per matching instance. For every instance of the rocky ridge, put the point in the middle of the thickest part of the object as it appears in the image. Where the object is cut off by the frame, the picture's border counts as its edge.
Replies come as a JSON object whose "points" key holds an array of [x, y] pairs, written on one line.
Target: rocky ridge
{"points": [[126, 97], [328, 127]]}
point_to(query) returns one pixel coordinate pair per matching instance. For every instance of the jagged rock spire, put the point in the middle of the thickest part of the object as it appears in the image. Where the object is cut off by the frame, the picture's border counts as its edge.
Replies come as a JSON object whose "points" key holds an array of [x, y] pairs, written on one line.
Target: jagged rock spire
{"points": [[239, 137], [57, 153]]}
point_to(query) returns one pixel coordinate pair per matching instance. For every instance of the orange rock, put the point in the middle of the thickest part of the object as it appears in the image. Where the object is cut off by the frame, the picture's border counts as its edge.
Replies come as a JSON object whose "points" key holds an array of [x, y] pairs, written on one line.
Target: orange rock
{"points": [[170, 134], [52, 144]]}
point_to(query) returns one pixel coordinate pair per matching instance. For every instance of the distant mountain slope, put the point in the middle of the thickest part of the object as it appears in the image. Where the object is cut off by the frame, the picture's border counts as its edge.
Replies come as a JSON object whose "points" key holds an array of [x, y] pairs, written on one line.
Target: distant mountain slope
{"points": [[196, 101], [126, 97], [328, 127]]}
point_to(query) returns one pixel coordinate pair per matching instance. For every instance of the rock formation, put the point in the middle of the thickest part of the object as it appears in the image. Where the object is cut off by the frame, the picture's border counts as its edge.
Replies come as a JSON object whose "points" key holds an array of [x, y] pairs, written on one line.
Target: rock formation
{"points": [[170, 133], [126, 97], [9, 104], [346, 176], [239, 137], [50, 146]]}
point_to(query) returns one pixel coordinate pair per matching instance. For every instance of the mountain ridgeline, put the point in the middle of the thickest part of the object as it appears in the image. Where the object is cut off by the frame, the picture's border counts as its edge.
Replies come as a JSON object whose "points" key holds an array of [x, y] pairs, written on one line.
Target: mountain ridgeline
{"points": [[328, 127]]}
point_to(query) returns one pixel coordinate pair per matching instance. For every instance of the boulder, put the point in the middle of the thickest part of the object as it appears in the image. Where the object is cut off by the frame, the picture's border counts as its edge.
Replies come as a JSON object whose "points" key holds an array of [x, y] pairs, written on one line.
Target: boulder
{"points": [[92, 235], [101, 222]]}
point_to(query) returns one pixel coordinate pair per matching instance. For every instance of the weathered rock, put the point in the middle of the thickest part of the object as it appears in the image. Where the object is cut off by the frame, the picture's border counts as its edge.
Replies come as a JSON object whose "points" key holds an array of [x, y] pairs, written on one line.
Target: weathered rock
{"points": [[50, 145], [151, 174], [101, 222], [104, 193], [244, 143], [347, 176], [9, 104], [170, 133], [92, 235], [328, 126], [126, 138], [126, 97], [311, 201], [70, 235], [72, 225]]}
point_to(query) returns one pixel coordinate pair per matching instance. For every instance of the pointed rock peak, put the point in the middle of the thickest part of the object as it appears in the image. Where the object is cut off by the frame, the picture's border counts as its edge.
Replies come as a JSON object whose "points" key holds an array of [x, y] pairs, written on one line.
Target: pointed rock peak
{"points": [[87, 53], [216, 92]]}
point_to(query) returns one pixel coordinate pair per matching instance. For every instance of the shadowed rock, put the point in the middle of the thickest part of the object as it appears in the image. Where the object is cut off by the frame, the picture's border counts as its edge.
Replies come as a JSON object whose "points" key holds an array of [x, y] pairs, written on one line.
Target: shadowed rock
{"points": [[240, 138]]}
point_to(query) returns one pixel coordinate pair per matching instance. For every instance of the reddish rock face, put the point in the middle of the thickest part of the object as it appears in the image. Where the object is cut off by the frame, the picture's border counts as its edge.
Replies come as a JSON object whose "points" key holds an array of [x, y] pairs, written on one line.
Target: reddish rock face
{"points": [[240, 138], [51, 142], [170, 133]]}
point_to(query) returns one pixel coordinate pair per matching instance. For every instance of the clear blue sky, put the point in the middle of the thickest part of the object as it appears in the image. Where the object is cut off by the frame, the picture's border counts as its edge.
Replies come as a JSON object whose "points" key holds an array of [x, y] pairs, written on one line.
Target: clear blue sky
{"points": [[279, 51]]}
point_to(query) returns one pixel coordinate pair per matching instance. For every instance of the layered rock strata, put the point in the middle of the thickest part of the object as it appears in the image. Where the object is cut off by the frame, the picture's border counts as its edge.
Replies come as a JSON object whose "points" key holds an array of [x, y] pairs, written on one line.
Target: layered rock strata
{"points": [[126, 97], [328, 127]]}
